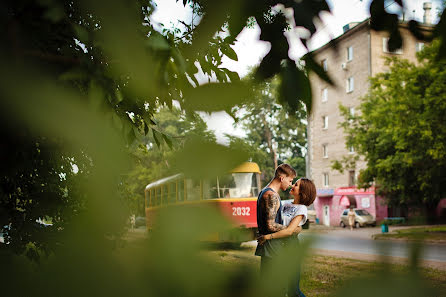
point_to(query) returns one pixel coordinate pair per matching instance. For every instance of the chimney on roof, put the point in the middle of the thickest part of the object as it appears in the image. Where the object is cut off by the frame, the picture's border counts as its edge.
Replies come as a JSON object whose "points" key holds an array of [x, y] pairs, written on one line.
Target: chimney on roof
{"points": [[349, 26], [427, 6]]}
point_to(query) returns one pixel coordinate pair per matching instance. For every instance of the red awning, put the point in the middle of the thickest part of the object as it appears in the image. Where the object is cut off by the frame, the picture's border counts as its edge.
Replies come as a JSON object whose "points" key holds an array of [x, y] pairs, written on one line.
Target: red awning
{"points": [[344, 201]]}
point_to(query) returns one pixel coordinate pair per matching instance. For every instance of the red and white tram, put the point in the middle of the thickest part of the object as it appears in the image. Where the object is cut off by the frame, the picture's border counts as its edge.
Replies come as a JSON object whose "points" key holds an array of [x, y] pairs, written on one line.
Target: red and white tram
{"points": [[235, 194]]}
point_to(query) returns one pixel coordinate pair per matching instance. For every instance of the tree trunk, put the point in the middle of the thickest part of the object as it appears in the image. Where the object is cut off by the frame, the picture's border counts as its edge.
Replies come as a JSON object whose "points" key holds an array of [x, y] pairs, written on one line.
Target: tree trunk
{"points": [[269, 140], [431, 213]]}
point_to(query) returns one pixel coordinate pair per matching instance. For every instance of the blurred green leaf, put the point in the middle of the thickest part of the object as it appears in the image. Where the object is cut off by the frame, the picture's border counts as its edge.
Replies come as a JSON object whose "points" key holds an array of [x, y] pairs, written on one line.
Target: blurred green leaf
{"points": [[55, 13], [117, 121], [202, 159], [217, 96], [229, 52], [81, 33], [167, 140], [155, 137], [74, 74], [146, 128], [233, 76], [295, 87], [157, 42], [312, 65], [119, 96]]}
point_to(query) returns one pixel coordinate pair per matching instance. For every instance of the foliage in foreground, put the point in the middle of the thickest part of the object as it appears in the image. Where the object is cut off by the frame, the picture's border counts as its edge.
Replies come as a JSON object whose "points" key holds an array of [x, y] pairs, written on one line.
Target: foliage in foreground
{"points": [[83, 80], [326, 275]]}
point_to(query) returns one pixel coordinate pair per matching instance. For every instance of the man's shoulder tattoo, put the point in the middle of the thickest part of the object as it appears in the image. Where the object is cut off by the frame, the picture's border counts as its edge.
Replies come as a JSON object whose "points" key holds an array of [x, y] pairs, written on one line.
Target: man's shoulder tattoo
{"points": [[270, 209]]}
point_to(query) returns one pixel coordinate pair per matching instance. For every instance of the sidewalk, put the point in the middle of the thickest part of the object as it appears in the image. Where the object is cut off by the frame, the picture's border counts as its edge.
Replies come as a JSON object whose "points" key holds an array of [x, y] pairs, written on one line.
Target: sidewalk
{"points": [[363, 233]]}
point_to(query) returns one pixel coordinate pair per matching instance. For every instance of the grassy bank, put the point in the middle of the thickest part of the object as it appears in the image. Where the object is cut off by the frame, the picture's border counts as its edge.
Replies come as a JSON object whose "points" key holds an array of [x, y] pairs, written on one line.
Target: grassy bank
{"points": [[322, 275], [433, 234]]}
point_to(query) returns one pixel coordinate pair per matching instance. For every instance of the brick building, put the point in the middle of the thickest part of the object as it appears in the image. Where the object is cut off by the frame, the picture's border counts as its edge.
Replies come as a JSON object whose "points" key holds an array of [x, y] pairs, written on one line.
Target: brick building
{"points": [[359, 54]]}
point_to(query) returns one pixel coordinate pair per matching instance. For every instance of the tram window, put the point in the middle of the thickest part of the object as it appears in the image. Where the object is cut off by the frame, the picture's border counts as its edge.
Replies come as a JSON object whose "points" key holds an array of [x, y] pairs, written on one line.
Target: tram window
{"points": [[172, 192], [165, 193], [157, 200], [226, 182], [207, 194], [193, 189], [238, 185], [213, 189], [181, 190], [255, 187], [149, 197]]}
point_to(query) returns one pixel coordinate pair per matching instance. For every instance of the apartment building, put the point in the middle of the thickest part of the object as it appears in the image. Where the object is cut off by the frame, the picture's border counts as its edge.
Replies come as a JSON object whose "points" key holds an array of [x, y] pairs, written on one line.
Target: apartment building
{"points": [[358, 55]]}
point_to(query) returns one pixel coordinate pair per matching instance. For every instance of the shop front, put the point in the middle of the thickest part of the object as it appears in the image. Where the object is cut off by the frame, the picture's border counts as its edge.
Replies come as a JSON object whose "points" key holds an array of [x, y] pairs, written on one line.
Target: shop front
{"points": [[330, 203]]}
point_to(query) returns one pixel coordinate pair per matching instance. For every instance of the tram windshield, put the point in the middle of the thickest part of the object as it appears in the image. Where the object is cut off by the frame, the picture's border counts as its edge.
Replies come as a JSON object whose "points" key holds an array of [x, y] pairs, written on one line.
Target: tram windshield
{"points": [[238, 185]]}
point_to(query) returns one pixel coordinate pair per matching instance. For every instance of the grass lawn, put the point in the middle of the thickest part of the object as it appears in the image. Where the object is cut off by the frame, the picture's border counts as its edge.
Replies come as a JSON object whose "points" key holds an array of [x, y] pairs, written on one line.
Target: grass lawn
{"points": [[323, 275], [436, 234]]}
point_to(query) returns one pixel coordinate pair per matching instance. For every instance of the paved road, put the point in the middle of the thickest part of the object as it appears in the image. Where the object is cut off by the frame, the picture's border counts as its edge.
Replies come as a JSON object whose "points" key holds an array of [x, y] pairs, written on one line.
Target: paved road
{"points": [[343, 242], [430, 252]]}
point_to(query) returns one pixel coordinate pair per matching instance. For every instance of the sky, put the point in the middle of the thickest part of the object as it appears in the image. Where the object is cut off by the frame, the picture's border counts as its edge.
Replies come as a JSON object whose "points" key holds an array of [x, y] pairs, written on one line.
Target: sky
{"points": [[250, 50]]}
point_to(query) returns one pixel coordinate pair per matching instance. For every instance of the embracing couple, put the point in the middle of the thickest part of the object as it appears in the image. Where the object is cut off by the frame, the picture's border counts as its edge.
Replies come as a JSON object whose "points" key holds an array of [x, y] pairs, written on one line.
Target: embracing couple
{"points": [[279, 224]]}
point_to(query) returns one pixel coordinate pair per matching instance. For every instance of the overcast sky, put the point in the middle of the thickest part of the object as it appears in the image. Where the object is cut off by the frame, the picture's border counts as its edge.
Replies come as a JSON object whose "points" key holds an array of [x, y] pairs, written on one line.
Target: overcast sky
{"points": [[250, 50]]}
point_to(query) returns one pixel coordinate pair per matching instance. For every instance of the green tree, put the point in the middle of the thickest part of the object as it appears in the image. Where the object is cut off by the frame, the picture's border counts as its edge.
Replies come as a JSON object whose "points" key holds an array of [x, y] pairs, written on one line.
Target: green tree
{"points": [[151, 161], [401, 132], [274, 134]]}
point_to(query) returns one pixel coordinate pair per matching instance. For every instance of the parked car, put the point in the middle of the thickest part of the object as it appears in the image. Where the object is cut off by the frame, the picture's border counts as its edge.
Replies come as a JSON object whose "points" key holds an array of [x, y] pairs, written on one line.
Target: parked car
{"points": [[362, 218], [140, 221], [4, 233]]}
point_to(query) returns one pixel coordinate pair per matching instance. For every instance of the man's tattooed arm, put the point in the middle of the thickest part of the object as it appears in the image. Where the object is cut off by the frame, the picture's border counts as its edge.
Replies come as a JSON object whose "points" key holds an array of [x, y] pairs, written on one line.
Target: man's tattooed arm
{"points": [[270, 207]]}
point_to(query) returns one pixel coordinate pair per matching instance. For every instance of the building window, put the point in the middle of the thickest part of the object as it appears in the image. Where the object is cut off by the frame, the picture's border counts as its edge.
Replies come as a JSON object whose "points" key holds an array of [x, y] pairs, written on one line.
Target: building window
{"points": [[349, 53], [350, 84], [386, 47], [324, 95], [325, 179], [419, 46], [351, 149], [352, 111], [325, 151], [324, 64], [352, 114], [351, 178], [325, 122]]}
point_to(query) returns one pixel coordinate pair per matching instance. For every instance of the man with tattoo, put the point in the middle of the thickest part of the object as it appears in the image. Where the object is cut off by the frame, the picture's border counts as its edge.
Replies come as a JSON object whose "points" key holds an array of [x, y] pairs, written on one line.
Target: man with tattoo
{"points": [[269, 214]]}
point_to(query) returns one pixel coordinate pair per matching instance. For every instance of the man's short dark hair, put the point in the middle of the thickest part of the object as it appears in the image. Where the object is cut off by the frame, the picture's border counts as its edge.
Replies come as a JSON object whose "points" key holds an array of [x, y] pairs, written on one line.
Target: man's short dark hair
{"points": [[284, 169]]}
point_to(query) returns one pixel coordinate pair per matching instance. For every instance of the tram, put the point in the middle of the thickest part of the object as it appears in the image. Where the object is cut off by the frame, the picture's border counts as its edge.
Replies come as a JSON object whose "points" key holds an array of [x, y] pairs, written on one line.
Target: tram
{"points": [[235, 194]]}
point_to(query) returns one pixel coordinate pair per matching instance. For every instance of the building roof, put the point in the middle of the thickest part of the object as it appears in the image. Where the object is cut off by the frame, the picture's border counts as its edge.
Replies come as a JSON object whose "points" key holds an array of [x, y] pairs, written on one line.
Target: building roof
{"points": [[362, 25], [358, 27]]}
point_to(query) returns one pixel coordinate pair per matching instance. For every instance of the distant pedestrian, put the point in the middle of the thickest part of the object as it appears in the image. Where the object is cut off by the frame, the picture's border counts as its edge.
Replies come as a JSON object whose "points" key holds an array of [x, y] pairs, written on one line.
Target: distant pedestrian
{"points": [[132, 222], [351, 217]]}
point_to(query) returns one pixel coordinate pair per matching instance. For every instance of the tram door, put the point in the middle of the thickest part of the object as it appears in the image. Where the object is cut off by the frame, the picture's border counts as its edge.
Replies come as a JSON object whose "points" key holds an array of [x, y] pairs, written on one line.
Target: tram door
{"points": [[326, 215]]}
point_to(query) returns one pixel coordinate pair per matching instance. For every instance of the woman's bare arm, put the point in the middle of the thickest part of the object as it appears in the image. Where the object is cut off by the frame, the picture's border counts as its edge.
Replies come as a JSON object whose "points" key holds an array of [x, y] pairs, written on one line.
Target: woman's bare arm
{"points": [[293, 228]]}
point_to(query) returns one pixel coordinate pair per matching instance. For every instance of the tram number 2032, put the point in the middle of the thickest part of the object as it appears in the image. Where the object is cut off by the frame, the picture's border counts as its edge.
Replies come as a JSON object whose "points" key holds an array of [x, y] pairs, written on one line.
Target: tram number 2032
{"points": [[241, 211]]}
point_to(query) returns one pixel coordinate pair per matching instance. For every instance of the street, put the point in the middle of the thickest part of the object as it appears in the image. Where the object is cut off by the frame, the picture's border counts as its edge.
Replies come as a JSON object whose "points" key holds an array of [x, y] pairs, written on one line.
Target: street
{"points": [[358, 244], [430, 252]]}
